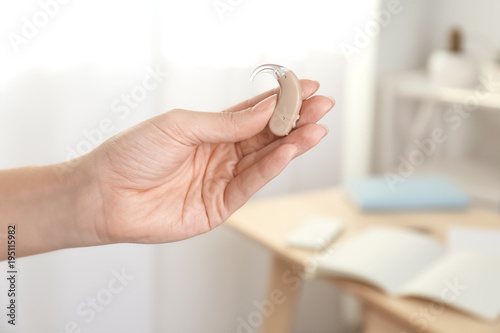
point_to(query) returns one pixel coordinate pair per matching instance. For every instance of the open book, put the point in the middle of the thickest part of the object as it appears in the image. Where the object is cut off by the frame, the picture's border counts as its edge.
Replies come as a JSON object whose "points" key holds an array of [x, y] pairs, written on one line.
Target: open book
{"points": [[407, 263]]}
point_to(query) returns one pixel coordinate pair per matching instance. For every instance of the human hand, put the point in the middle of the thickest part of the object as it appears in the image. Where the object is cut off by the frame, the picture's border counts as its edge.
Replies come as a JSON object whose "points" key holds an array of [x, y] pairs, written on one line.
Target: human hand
{"points": [[183, 173]]}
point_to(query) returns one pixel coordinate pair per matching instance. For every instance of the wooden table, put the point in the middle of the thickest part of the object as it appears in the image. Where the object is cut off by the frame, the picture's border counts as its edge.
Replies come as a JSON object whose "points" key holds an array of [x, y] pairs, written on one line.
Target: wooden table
{"points": [[269, 222]]}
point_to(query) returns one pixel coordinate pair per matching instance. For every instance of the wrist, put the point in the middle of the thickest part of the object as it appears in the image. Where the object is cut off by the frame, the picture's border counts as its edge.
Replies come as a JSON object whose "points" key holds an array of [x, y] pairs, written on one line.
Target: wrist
{"points": [[64, 206], [85, 217], [52, 209]]}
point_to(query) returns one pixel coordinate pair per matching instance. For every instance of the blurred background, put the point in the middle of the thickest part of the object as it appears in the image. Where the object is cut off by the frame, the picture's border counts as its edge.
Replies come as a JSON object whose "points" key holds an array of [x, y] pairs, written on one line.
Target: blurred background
{"points": [[398, 70]]}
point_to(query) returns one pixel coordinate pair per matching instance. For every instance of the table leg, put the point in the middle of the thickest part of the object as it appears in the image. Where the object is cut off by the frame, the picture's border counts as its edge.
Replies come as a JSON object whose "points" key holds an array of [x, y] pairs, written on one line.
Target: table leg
{"points": [[283, 291], [375, 322]]}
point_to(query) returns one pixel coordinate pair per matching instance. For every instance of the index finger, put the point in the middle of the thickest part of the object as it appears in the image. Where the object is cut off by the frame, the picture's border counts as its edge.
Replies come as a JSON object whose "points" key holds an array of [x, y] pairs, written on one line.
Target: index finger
{"points": [[309, 87]]}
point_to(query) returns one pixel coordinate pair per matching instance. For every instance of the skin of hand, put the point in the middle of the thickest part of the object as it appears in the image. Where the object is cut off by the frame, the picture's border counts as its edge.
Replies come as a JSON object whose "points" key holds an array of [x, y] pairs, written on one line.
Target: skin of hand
{"points": [[172, 177]]}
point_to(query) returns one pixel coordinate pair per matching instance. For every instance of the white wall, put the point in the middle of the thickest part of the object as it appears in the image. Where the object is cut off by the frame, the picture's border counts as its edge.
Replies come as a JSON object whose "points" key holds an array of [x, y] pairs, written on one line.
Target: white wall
{"points": [[423, 26], [478, 19]]}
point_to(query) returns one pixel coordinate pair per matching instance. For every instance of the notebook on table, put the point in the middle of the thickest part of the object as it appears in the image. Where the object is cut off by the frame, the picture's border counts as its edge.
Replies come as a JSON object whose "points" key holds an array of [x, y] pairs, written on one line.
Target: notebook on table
{"points": [[407, 263], [432, 193]]}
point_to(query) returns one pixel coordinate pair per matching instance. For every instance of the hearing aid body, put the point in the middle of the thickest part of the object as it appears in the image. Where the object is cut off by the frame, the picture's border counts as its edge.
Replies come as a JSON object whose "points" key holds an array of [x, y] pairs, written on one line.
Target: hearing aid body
{"points": [[286, 112]]}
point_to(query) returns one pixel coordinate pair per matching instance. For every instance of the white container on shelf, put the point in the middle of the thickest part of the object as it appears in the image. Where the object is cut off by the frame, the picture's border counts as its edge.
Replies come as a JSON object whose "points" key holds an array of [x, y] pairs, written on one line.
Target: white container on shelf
{"points": [[452, 67]]}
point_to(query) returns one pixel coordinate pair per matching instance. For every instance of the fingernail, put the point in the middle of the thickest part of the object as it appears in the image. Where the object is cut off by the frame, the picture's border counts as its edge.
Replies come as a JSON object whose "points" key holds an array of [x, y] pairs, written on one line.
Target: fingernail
{"points": [[304, 93], [333, 100], [265, 104], [325, 127]]}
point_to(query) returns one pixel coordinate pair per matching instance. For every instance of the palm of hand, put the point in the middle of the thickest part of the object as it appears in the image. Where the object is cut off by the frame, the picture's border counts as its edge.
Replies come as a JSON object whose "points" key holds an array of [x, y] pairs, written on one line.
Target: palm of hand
{"points": [[173, 192]]}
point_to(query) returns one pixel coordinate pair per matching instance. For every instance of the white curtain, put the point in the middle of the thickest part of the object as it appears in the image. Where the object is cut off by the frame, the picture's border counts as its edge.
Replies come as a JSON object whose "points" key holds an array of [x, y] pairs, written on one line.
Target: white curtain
{"points": [[67, 65]]}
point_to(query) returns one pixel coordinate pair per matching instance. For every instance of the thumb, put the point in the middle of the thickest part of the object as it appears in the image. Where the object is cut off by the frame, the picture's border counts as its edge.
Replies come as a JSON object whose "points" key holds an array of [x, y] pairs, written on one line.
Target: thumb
{"points": [[225, 126]]}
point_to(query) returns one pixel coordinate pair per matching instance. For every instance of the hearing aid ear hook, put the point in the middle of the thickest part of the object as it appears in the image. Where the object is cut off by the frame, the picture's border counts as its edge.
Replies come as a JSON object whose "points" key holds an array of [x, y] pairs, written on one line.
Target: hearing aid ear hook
{"points": [[286, 112]]}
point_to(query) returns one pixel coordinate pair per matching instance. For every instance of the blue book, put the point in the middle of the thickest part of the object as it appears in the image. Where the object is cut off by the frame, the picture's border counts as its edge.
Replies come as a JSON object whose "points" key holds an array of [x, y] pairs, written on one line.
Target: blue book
{"points": [[412, 194]]}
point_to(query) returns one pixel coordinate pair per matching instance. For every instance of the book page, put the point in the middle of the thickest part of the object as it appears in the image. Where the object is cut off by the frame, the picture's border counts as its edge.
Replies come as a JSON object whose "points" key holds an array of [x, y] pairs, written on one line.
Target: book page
{"points": [[385, 257], [469, 281], [467, 238]]}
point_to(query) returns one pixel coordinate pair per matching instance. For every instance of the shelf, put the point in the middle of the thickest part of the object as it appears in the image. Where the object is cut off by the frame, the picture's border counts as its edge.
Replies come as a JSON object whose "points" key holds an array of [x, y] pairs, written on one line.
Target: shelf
{"points": [[418, 85], [480, 179]]}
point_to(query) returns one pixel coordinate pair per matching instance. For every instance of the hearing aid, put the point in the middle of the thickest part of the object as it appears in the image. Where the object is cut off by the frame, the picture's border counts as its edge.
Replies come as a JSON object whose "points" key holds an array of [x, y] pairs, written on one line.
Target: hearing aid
{"points": [[286, 112]]}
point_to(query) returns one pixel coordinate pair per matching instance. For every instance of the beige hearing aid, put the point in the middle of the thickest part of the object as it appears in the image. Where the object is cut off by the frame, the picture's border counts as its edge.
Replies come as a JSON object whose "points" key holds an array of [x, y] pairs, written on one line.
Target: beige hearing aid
{"points": [[286, 113]]}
